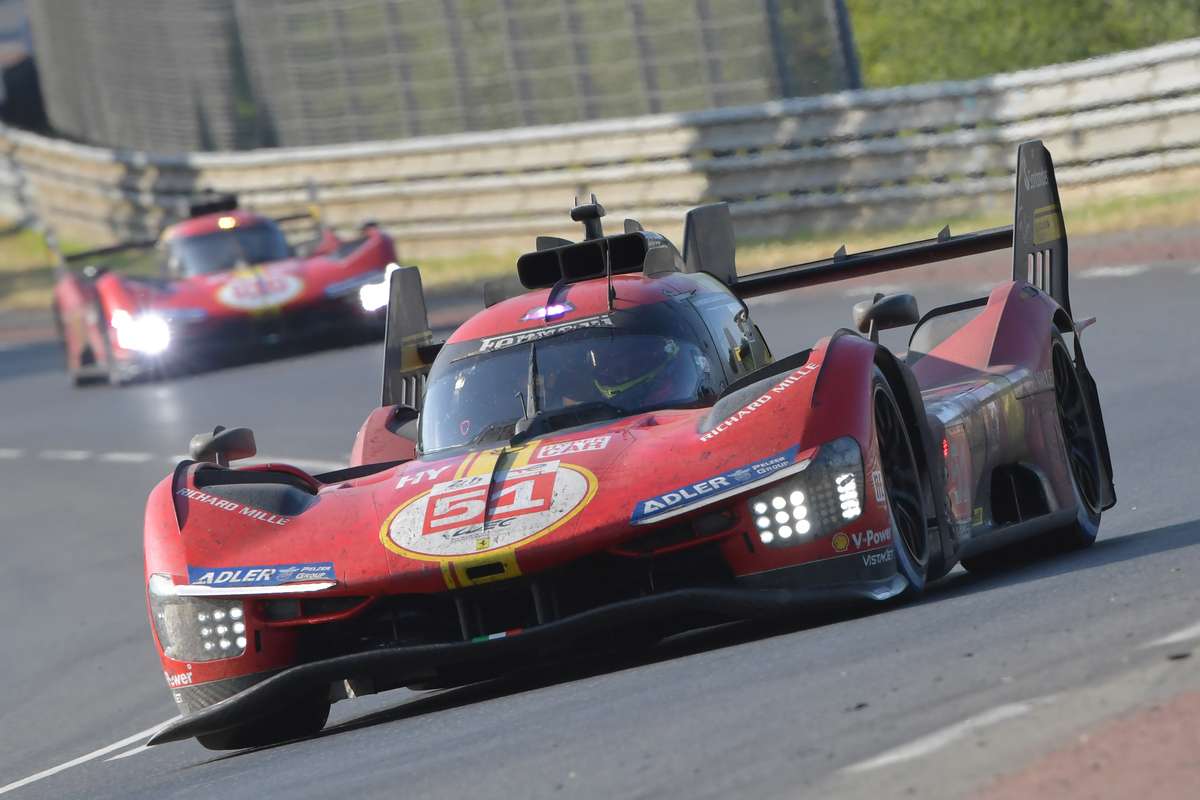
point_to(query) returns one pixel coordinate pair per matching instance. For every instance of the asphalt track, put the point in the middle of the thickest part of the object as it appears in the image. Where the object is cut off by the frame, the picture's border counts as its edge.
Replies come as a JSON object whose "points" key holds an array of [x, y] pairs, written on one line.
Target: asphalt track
{"points": [[814, 708]]}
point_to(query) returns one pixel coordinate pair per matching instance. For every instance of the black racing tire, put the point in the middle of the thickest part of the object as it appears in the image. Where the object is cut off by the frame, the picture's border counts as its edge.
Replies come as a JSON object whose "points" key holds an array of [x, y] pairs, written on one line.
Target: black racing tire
{"points": [[904, 486], [1079, 434], [299, 718], [1084, 459]]}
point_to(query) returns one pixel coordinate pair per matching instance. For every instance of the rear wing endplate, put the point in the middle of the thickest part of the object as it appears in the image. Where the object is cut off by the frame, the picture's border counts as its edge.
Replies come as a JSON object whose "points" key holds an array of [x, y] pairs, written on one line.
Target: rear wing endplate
{"points": [[408, 348]]}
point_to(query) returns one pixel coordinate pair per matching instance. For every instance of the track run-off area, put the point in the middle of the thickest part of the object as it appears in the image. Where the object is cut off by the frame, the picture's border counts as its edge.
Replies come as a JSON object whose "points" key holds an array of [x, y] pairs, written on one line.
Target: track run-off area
{"points": [[953, 695]]}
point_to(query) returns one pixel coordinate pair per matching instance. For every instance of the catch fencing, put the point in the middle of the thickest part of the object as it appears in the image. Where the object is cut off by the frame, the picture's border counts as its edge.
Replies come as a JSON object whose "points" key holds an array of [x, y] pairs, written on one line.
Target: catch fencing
{"points": [[845, 160]]}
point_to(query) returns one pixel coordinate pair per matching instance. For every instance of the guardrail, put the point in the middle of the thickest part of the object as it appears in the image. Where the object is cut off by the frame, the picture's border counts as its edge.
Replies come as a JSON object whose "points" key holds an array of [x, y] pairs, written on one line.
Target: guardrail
{"points": [[858, 158]]}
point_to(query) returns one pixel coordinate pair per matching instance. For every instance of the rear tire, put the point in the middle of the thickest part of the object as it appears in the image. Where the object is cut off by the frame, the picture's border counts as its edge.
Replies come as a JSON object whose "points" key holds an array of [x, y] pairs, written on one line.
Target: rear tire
{"points": [[1082, 449], [904, 487], [302, 717]]}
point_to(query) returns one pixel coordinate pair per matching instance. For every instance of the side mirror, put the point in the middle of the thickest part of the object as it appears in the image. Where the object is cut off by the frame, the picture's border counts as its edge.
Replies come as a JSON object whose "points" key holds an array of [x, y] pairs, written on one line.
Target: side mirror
{"points": [[884, 312], [223, 445]]}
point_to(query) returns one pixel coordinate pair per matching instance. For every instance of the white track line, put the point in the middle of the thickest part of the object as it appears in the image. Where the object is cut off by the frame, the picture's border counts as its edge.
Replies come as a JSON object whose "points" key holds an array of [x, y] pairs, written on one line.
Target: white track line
{"points": [[939, 739], [103, 751], [65, 455], [1114, 272], [141, 748], [127, 458], [11, 452], [1182, 635]]}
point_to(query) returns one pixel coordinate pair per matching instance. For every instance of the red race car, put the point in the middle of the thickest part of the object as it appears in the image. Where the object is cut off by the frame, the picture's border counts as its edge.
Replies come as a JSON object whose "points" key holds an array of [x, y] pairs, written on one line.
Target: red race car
{"points": [[228, 280], [615, 455]]}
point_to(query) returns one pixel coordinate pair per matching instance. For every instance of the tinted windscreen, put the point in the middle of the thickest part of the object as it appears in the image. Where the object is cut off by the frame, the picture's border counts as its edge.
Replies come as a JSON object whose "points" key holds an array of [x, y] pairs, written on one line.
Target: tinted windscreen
{"points": [[620, 363], [224, 250]]}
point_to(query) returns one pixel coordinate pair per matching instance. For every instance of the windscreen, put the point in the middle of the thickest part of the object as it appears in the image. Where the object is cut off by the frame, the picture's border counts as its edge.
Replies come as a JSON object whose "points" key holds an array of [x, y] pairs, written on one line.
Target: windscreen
{"points": [[613, 365], [260, 243]]}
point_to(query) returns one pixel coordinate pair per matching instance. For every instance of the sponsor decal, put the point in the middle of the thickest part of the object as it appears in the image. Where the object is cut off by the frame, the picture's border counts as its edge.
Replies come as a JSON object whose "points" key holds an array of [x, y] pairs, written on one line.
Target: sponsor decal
{"points": [[1035, 179], [870, 538], [875, 559], [574, 446], [232, 507], [977, 516], [413, 478], [729, 481], [487, 513], [759, 402], [1046, 227], [182, 679], [258, 290], [841, 542], [877, 482], [491, 343], [272, 575]]}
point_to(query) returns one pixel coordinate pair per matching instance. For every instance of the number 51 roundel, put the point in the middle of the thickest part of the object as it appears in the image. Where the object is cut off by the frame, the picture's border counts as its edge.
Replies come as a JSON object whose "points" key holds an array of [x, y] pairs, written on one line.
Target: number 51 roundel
{"points": [[467, 516]]}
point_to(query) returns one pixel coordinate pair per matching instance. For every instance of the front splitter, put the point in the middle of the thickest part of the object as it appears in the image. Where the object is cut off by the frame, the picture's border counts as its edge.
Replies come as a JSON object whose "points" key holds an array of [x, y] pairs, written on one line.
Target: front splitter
{"points": [[414, 662]]}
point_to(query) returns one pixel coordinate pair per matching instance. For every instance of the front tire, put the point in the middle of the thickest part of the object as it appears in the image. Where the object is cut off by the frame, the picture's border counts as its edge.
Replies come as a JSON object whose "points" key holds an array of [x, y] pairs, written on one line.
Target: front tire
{"points": [[302, 717], [904, 488]]}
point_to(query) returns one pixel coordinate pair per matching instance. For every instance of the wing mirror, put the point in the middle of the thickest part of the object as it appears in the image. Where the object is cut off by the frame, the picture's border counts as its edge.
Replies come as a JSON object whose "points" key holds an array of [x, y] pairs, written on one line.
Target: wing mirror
{"points": [[884, 312], [223, 445]]}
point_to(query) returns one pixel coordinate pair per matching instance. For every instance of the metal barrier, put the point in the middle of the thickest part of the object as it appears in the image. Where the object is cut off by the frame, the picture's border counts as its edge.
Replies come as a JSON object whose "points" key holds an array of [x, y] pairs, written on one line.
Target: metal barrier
{"points": [[851, 159]]}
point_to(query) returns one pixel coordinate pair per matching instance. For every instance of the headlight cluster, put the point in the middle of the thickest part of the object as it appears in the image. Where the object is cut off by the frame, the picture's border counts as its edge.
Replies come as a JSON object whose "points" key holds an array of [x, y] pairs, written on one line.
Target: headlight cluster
{"points": [[146, 333], [372, 288], [196, 628], [816, 502]]}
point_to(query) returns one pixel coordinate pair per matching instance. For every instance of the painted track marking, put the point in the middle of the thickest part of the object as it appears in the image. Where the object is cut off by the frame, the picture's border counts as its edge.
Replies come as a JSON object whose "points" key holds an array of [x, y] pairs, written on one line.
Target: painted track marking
{"points": [[1178, 637], [316, 465], [127, 458], [939, 739], [65, 455], [103, 751], [1114, 272]]}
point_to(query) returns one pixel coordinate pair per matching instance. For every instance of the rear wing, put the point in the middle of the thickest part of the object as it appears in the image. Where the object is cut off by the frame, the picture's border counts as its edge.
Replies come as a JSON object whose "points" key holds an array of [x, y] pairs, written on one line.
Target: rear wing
{"points": [[1038, 239]]}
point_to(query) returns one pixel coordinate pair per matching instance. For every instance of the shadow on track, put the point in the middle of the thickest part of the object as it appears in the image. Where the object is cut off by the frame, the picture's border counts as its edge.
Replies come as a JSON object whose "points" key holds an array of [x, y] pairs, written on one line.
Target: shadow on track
{"points": [[1104, 553]]}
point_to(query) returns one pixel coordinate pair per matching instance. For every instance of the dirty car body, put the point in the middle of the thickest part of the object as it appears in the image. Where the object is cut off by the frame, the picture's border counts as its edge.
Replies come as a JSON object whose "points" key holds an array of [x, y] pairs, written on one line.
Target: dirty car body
{"points": [[614, 454]]}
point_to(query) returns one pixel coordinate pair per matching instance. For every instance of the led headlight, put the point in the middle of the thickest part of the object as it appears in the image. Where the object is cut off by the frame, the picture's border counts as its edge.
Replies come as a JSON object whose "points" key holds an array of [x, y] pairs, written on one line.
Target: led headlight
{"points": [[374, 296], [815, 502], [196, 628], [146, 333]]}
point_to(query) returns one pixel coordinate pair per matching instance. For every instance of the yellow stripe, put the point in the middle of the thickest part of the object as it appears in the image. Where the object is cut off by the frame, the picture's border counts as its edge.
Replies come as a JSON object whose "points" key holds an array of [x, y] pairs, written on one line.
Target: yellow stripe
{"points": [[462, 466], [524, 453], [484, 463], [1045, 209]]}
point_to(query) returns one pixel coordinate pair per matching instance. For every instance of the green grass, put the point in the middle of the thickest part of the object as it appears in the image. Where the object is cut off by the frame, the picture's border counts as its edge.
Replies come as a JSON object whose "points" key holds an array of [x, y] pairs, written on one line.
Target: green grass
{"points": [[914, 41]]}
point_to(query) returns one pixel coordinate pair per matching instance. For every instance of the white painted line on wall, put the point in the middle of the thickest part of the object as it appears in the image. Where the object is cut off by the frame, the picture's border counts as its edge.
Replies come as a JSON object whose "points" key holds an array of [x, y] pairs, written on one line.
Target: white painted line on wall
{"points": [[1178, 637], [940, 739], [103, 751]]}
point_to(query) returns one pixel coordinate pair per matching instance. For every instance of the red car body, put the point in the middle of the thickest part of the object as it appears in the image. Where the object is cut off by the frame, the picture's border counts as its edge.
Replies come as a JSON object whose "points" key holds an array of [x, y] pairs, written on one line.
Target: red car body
{"points": [[118, 326], [839, 473]]}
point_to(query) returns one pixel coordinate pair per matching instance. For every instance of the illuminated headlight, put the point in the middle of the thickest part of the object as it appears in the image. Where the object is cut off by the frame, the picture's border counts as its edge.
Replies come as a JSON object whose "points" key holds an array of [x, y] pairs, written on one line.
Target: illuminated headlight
{"points": [[815, 502], [374, 296], [195, 628], [146, 333]]}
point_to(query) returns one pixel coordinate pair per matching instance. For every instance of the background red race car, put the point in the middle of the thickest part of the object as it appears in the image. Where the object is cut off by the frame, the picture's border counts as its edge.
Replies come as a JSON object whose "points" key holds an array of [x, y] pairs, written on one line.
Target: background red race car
{"points": [[616, 454], [225, 279]]}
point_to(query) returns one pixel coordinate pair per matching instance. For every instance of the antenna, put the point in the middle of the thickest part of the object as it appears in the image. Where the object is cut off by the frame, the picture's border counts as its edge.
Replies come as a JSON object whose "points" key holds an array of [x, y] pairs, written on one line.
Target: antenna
{"points": [[612, 294]]}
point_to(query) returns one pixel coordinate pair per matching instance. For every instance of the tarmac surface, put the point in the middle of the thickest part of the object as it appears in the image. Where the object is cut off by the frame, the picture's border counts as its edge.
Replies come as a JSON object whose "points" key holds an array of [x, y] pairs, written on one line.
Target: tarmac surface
{"points": [[958, 693]]}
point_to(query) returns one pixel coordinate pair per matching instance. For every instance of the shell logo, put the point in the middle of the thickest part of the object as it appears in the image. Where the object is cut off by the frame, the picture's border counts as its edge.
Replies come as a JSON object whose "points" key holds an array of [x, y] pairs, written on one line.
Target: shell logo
{"points": [[841, 542], [258, 291]]}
